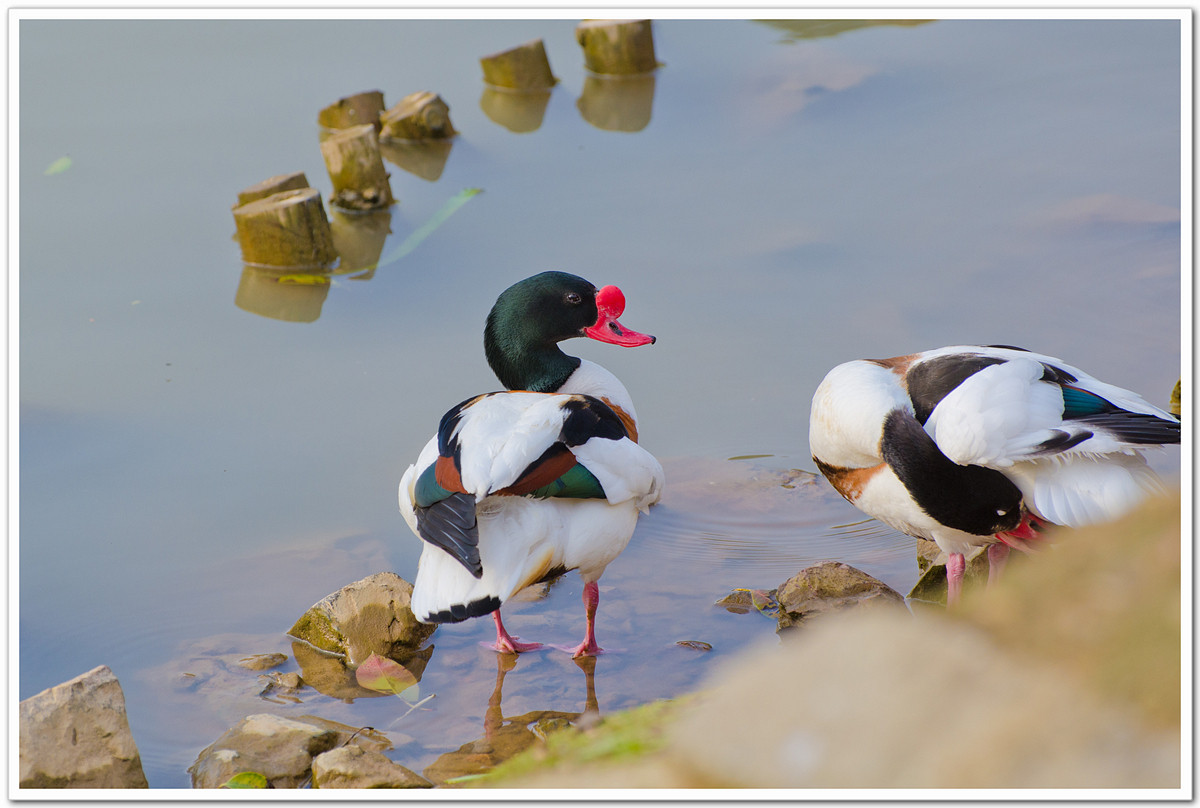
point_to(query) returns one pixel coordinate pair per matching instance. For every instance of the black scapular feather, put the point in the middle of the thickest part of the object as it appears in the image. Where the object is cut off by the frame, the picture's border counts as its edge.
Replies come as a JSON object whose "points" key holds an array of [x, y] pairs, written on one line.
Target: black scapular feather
{"points": [[1135, 427], [450, 525]]}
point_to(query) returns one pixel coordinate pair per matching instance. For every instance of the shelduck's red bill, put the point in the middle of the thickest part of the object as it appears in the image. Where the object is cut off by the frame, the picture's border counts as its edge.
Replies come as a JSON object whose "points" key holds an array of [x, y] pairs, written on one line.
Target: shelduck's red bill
{"points": [[610, 303]]}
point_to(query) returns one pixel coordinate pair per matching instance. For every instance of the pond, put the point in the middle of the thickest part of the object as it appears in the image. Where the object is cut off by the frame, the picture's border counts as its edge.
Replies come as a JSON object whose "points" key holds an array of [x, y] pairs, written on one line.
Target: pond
{"points": [[197, 468]]}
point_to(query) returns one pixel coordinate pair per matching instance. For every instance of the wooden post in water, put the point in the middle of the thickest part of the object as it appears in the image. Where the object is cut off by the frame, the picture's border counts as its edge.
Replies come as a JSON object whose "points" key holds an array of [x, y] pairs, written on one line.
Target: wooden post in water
{"points": [[356, 168], [272, 185], [353, 110], [617, 47], [419, 116], [525, 67], [287, 229]]}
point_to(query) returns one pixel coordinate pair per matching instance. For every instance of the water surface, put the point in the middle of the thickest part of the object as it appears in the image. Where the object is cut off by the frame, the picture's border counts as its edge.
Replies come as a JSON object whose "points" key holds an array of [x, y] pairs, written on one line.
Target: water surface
{"points": [[779, 199]]}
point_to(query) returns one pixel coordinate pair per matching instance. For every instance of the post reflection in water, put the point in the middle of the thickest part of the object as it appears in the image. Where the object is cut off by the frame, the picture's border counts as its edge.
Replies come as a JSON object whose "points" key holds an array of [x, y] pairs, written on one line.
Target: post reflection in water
{"points": [[617, 103], [517, 111], [422, 158], [358, 239], [503, 737], [294, 297]]}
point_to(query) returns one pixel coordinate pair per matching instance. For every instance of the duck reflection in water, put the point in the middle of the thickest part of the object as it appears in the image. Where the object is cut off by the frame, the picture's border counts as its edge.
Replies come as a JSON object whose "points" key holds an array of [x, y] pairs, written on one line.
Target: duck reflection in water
{"points": [[504, 738]]}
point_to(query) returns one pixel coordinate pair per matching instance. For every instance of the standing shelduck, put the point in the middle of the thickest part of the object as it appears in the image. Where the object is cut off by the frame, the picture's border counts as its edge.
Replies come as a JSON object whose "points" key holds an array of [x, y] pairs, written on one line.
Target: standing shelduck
{"points": [[972, 446], [519, 486]]}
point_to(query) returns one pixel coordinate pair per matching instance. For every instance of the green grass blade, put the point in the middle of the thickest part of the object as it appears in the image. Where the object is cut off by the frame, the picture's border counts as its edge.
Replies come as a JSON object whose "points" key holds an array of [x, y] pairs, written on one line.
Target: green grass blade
{"points": [[437, 220]]}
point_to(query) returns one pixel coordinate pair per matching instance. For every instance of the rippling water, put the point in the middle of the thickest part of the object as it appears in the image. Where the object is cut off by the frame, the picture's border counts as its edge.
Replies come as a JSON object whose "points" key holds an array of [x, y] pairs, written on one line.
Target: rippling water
{"points": [[197, 468]]}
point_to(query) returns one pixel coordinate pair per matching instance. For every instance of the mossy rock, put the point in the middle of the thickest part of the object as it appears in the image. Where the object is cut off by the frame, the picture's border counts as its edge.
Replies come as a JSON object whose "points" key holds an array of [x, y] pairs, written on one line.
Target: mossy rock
{"points": [[371, 616]]}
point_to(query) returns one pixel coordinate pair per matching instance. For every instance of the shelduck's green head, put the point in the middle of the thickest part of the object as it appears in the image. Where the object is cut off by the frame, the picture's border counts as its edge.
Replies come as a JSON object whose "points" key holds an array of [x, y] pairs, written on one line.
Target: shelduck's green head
{"points": [[532, 316]]}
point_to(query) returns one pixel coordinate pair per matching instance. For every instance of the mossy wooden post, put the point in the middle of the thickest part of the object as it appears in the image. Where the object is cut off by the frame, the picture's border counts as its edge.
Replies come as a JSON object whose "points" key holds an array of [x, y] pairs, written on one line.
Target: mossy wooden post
{"points": [[353, 110], [355, 166], [525, 67], [419, 116], [272, 185], [617, 47], [287, 229]]}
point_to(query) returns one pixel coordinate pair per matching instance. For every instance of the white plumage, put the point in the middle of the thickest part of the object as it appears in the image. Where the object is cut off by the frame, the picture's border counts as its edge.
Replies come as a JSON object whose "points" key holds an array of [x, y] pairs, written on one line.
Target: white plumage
{"points": [[546, 477], [971, 446]]}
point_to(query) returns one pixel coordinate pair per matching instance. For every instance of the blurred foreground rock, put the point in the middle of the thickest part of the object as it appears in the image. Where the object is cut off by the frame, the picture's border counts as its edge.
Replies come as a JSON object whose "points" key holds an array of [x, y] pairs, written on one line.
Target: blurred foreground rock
{"points": [[368, 616], [1064, 675], [76, 735]]}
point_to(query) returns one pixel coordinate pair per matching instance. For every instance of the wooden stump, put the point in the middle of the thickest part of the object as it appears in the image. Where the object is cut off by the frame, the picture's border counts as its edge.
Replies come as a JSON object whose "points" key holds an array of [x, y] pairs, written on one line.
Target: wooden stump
{"points": [[287, 229], [353, 110], [355, 166], [525, 67], [272, 185], [617, 103], [515, 111], [617, 47], [420, 116]]}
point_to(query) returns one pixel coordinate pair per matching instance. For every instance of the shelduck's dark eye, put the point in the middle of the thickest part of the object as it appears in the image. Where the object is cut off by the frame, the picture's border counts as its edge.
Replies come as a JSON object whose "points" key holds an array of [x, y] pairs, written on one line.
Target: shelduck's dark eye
{"points": [[574, 298]]}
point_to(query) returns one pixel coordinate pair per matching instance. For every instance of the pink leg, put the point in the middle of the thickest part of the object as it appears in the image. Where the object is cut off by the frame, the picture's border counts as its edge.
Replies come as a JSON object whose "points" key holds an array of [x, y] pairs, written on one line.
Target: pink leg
{"points": [[508, 644], [997, 558], [591, 600], [956, 566]]}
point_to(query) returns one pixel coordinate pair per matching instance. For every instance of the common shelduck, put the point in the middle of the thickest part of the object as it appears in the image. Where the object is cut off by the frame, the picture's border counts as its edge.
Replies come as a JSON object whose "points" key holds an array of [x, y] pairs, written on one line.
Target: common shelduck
{"points": [[975, 445], [520, 486]]}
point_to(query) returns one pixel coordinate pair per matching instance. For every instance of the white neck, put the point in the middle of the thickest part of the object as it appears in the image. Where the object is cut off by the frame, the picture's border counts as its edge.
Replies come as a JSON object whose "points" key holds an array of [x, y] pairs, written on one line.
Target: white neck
{"points": [[592, 380]]}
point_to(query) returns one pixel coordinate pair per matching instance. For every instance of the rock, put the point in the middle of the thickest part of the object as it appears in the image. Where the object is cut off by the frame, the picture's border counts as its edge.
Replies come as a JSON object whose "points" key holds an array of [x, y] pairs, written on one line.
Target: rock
{"points": [[366, 737], [355, 767], [280, 749], [1102, 603], [831, 586], [737, 601], [365, 617], [76, 735], [262, 662], [883, 700], [931, 560], [927, 553]]}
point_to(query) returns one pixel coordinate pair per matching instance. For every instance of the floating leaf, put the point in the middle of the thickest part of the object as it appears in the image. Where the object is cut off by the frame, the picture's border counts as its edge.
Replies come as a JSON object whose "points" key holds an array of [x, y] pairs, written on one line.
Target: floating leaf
{"points": [[762, 600], [387, 676], [304, 279], [246, 780], [58, 166], [750, 456], [420, 234], [698, 645]]}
